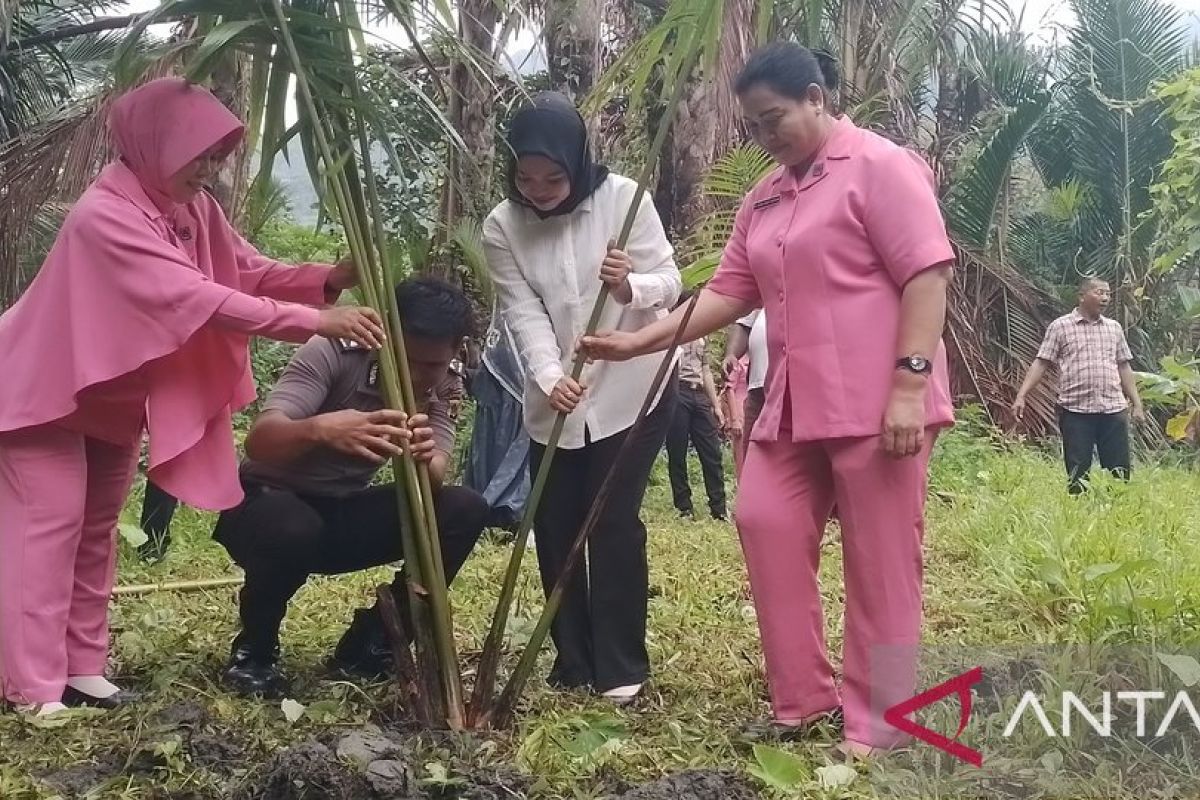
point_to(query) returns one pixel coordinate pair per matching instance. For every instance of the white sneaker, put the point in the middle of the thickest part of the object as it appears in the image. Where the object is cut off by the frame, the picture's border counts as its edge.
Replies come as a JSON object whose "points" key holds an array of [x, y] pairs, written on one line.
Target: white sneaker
{"points": [[624, 695], [40, 710]]}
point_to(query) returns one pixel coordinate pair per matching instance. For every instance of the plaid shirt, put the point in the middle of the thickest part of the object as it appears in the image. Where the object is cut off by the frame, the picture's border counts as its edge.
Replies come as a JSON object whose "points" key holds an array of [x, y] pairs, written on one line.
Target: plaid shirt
{"points": [[1087, 354]]}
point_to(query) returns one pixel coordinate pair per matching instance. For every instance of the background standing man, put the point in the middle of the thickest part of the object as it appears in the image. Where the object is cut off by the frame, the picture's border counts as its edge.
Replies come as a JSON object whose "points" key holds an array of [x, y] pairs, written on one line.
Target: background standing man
{"points": [[1096, 385]]}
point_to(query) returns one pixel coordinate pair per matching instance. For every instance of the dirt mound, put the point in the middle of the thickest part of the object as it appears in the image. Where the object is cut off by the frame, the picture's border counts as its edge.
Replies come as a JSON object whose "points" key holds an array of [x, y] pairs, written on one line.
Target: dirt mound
{"points": [[181, 715], [79, 780], [308, 771], [387, 764], [694, 785]]}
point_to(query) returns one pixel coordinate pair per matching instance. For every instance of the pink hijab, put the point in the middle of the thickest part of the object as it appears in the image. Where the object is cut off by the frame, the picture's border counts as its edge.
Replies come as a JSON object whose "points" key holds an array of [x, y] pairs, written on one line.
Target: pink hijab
{"points": [[127, 290]]}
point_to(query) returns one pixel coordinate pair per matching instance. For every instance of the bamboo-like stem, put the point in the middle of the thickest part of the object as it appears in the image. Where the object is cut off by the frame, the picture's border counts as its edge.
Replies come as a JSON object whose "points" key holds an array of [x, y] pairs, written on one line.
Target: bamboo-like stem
{"points": [[482, 698], [508, 698], [132, 590], [427, 539], [406, 488], [374, 287], [406, 669], [397, 381]]}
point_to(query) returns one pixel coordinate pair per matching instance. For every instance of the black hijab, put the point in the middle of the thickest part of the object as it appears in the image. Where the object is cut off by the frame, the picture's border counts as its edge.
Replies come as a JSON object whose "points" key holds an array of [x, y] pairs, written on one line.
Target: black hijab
{"points": [[551, 127]]}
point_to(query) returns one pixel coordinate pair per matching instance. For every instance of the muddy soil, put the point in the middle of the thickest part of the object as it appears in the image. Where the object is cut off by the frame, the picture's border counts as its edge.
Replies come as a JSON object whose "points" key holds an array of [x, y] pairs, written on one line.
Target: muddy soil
{"points": [[694, 785], [366, 764], [77, 781], [308, 771], [388, 765]]}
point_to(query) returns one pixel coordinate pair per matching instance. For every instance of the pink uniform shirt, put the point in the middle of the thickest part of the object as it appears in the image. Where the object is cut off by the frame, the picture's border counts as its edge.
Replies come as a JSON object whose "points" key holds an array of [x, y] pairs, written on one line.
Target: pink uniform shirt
{"points": [[827, 255]]}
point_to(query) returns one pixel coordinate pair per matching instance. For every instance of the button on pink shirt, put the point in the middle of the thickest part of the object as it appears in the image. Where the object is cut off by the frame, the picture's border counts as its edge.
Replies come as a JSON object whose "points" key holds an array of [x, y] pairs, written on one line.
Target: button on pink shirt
{"points": [[827, 255]]}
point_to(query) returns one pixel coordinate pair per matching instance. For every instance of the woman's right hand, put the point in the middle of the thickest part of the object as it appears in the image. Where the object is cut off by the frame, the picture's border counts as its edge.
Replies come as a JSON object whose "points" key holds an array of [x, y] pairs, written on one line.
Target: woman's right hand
{"points": [[352, 322], [610, 346], [567, 394]]}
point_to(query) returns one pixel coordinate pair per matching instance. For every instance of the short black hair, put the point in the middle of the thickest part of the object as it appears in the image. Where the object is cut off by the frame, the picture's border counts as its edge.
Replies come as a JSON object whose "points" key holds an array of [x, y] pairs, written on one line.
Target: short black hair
{"points": [[431, 308], [1090, 282], [789, 69]]}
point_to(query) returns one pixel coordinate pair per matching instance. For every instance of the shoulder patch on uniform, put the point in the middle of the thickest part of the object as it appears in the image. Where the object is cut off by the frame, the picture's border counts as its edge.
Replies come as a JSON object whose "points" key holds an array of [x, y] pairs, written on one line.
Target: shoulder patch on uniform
{"points": [[373, 375], [768, 202], [349, 345]]}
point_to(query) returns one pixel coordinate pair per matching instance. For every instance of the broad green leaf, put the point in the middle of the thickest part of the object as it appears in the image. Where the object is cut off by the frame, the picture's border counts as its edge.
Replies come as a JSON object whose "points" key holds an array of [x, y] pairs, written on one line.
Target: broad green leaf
{"points": [[1185, 667], [133, 534], [1097, 571], [1050, 571], [439, 775], [1190, 297], [778, 769], [1177, 426]]}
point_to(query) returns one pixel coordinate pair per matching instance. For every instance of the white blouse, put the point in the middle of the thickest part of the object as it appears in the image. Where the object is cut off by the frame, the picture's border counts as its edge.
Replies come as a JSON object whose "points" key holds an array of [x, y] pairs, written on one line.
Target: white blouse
{"points": [[547, 275], [756, 321]]}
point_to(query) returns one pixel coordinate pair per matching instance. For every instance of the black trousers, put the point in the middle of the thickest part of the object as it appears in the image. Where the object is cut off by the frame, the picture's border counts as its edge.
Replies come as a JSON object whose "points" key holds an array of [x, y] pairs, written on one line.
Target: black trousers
{"points": [[695, 422], [279, 538], [1105, 434], [600, 629], [158, 508]]}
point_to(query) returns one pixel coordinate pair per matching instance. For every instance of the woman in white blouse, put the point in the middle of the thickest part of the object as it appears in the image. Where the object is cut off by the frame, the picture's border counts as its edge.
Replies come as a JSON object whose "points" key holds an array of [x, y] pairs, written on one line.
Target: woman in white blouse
{"points": [[549, 247]]}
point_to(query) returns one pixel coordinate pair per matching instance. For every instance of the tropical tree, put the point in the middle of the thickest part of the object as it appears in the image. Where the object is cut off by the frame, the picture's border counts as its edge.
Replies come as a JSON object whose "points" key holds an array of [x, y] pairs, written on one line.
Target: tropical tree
{"points": [[1105, 139]]}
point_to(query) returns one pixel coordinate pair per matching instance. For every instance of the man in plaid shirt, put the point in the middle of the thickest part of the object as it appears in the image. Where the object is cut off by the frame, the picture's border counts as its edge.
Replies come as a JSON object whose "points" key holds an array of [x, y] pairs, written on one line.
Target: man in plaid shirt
{"points": [[1096, 386]]}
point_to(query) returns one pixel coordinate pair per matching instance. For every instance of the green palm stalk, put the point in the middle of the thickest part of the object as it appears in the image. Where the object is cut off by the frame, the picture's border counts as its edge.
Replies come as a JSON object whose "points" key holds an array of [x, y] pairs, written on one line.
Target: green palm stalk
{"points": [[418, 543]]}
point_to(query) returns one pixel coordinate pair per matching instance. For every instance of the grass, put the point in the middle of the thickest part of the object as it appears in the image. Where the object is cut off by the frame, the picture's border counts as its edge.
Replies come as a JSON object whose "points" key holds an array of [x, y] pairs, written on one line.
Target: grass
{"points": [[1012, 560]]}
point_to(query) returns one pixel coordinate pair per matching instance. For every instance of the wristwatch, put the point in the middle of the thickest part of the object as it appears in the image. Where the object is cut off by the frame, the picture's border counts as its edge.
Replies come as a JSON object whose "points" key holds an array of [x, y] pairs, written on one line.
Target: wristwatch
{"points": [[915, 363]]}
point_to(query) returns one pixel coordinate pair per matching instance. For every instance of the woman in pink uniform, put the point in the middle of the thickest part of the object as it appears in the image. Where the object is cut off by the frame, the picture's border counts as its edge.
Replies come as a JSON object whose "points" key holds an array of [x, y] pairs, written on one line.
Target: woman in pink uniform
{"points": [[846, 250], [138, 320]]}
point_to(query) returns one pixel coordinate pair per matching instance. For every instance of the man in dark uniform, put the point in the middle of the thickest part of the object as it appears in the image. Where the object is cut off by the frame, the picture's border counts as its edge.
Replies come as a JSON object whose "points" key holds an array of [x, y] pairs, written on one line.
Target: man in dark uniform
{"points": [[310, 508]]}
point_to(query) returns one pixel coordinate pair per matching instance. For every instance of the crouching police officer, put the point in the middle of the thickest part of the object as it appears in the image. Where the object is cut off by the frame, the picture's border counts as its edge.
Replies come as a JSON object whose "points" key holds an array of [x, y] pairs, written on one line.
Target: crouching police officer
{"points": [[310, 508]]}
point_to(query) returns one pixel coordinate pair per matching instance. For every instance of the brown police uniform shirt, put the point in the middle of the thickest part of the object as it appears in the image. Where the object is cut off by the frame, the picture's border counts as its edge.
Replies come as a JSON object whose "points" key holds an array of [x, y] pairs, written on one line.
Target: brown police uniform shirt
{"points": [[332, 375], [692, 363]]}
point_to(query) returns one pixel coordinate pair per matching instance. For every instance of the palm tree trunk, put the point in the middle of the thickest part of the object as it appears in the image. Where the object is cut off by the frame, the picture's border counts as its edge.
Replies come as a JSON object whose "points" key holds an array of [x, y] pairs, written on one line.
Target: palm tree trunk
{"points": [[573, 48], [467, 190], [706, 126], [229, 84]]}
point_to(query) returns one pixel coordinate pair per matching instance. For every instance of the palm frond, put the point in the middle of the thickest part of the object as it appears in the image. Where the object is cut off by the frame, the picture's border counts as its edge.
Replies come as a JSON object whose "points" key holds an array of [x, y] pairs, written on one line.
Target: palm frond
{"points": [[971, 204], [728, 181], [659, 56], [467, 237], [995, 319]]}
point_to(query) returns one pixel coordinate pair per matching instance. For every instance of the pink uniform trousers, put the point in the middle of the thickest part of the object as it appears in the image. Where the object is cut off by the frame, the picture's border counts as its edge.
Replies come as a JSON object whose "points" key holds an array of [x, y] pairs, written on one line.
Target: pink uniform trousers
{"points": [[787, 492], [60, 496]]}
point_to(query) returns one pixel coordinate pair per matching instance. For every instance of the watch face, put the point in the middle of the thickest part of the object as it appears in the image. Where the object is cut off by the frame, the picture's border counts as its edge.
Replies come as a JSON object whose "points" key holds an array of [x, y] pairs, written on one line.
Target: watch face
{"points": [[918, 363]]}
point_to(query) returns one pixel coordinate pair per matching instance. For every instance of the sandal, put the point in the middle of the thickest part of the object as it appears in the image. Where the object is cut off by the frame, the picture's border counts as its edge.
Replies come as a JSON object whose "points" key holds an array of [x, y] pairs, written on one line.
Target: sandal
{"points": [[774, 730], [857, 751]]}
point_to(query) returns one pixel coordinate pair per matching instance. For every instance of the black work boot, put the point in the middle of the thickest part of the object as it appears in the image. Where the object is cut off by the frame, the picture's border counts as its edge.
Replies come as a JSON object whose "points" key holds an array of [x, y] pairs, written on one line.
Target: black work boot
{"points": [[253, 669], [364, 649]]}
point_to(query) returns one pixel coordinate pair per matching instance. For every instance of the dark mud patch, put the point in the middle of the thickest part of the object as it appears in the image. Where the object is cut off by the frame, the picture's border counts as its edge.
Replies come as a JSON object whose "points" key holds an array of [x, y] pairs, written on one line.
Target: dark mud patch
{"points": [[215, 753], [694, 785], [181, 715], [389, 764], [308, 771], [78, 780]]}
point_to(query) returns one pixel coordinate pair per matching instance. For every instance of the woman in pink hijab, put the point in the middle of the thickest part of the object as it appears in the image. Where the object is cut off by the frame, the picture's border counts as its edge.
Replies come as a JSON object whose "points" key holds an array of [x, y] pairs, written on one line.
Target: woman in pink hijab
{"points": [[138, 321]]}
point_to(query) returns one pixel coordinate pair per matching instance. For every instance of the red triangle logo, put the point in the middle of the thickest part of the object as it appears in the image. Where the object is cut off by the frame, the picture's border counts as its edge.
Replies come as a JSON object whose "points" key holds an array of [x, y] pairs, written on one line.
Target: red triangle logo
{"points": [[898, 716]]}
